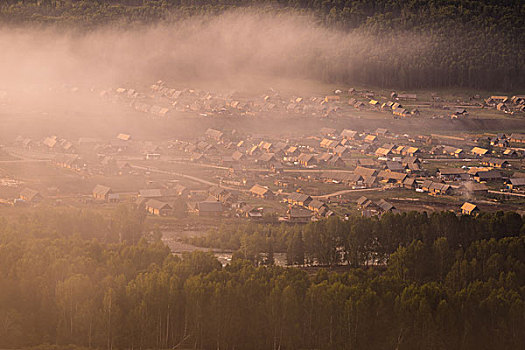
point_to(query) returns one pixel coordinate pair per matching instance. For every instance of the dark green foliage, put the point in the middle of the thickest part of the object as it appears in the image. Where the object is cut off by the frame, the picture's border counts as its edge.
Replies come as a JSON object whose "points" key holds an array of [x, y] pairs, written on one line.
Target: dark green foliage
{"points": [[360, 241], [75, 291]]}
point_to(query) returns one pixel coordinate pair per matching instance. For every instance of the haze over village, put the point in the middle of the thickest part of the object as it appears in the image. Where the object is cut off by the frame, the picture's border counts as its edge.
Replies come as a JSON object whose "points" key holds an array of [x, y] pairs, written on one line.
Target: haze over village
{"points": [[282, 175]]}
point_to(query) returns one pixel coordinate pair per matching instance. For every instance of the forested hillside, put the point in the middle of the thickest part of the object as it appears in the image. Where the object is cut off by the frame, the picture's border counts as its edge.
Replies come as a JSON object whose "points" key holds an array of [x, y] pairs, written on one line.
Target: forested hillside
{"points": [[478, 44], [76, 278]]}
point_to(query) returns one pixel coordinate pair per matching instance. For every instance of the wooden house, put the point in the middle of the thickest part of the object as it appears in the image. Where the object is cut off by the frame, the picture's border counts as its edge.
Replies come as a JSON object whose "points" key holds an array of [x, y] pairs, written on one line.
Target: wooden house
{"points": [[31, 196], [469, 209], [261, 192], [158, 208], [101, 192]]}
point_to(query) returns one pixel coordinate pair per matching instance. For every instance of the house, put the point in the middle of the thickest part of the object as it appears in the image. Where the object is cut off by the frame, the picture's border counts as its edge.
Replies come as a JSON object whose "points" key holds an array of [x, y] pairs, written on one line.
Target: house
{"points": [[518, 99], [437, 150], [395, 106], [340, 150], [435, 188], [150, 193], [494, 162], [502, 107], [353, 179], [292, 151], [391, 176], [368, 207], [50, 142], [252, 213], [74, 162], [261, 191], [517, 183], [489, 175], [370, 138], [409, 160], [469, 209], [407, 97], [333, 98], [124, 137], [317, 207], [410, 151], [381, 132], [31, 196], [474, 188], [413, 167], [267, 158], [365, 172], [395, 166], [453, 151], [336, 161], [265, 146], [517, 138], [158, 208], [367, 163], [401, 112], [299, 215], [499, 99], [362, 201], [451, 174], [499, 142], [101, 192], [209, 208], [219, 193], [383, 151], [306, 159], [349, 134], [300, 199], [478, 151], [385, 206], [214, 134], [409, 183], [238, 156], [374, 103], [511, 153]]}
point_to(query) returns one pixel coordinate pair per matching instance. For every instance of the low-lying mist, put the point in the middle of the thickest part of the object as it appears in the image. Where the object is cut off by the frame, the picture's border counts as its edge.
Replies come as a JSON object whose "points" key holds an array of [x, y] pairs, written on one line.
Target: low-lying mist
{"points": [[238, 51], [225, 48]]}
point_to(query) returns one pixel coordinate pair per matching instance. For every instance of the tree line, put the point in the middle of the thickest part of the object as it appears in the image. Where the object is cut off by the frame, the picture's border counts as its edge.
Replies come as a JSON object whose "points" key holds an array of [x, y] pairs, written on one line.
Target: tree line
{"points": [[476, 44], [70, 278], [357, 241]]}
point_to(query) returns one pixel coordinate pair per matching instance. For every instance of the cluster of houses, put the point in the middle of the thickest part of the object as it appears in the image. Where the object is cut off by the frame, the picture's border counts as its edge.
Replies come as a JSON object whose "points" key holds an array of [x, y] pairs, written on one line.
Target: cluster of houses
{"points": [[369, 207], [505, 104], [162, 101], [272, 169]]}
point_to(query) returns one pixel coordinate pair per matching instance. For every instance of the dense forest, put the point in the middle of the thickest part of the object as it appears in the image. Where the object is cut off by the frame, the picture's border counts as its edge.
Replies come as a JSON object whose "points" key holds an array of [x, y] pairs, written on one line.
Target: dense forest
{"points": [[358, 241], [476, 44], [75, 278]]}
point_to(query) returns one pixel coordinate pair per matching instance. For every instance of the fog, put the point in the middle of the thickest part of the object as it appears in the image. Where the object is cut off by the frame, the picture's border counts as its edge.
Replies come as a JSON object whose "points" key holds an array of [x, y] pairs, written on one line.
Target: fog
{"points": [[229, 48], [239, 51]]}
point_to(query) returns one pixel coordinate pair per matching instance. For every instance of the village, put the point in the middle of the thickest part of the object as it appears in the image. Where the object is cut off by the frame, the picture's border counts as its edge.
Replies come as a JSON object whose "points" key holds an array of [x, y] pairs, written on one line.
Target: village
{"points": [[232, 173]]}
